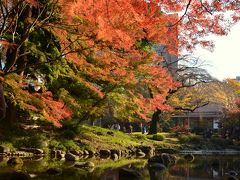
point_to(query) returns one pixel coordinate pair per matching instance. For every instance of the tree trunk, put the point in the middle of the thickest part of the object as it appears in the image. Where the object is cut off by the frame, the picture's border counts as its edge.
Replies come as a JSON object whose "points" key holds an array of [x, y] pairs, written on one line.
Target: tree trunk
{"points": [[11, 113], [155, 120], [2, 103], [22, 62]]}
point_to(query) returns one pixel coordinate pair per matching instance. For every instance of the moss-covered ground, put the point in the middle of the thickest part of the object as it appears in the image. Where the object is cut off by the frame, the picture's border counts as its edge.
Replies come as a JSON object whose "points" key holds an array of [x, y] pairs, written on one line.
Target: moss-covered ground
{"points": [[82, 137]]}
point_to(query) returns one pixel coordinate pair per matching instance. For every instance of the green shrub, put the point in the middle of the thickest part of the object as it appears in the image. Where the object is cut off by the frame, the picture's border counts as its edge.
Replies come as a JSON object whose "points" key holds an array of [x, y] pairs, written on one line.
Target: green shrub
{"points": [[63, 145], [33, 141], [70, 145], [183, 138], [157, 137], [69, 134], [220, 141], [195, 139], [8, 145], [57, 145], [70, 125], [140, 136], [191, 138]]}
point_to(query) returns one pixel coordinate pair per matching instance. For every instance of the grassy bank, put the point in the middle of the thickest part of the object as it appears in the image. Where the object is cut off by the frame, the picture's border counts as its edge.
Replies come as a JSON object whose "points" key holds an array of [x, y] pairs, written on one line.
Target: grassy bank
{"points": [[83, 137], [95, 138]]}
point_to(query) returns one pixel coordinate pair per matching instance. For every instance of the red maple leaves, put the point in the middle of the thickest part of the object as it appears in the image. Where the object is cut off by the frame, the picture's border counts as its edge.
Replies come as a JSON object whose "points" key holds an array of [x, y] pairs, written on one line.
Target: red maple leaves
{"points": [[100, 37]]}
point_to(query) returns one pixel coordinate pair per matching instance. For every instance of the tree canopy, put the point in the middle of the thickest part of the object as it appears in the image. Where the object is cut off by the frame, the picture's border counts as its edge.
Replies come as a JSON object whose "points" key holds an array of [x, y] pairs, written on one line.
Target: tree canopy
{"points": [[92, 53]]}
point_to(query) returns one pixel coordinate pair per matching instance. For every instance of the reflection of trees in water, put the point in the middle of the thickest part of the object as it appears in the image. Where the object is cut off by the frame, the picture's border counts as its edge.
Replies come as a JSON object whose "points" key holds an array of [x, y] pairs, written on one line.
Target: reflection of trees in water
{"points": [[207, 167], [203, 167], [133, 173], [158, 174]]}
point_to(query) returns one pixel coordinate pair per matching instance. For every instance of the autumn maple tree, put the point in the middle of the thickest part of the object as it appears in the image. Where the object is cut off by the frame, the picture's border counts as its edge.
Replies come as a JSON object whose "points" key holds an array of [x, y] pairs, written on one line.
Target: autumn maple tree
{"points": [[231, 122], [101, 14], [90, 49], [24, 46]]}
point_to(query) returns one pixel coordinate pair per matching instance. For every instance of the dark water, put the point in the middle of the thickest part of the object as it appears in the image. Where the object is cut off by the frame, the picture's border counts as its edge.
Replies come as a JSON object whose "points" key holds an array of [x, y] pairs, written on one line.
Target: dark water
{"points": [[202, 168]]}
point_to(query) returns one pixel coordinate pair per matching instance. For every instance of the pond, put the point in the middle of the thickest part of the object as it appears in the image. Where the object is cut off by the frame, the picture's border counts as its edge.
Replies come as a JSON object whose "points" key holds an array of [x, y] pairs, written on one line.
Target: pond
{"points": [[203, 167]]}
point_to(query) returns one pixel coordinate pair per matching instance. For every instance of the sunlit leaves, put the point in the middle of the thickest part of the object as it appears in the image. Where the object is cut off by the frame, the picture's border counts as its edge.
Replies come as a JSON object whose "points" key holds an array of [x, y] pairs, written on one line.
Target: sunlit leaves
{"points": [[108, 44], [40, 103]]}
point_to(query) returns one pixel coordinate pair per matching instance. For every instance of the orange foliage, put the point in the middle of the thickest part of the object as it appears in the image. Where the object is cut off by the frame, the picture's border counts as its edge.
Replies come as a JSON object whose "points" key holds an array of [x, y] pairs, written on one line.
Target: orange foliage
{"points": [[120, 23], [100, 37], [110, 30], [43, 103], [123, 22], [54, 110]]}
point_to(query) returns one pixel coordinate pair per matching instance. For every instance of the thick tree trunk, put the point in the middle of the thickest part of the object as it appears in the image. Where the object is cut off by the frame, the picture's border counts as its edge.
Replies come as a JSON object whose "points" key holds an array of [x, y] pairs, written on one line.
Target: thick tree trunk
{"points": [[155, 120], [11, 55], [2, 103], [22, 62], [11, 113]]}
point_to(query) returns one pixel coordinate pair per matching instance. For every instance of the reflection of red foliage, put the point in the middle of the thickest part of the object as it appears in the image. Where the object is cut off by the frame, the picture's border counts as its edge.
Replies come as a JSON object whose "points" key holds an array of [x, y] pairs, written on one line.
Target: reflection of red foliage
{"points": [[179, 170]]}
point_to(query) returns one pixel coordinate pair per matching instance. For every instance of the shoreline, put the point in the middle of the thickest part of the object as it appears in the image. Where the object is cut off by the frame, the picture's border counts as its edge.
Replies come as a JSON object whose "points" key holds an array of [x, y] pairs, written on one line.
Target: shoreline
{"points": [[211, 152]]}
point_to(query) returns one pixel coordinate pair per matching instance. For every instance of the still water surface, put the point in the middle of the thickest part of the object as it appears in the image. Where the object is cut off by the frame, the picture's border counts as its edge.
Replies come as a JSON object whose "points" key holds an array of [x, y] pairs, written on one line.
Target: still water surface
{"points": [[202, 168]]}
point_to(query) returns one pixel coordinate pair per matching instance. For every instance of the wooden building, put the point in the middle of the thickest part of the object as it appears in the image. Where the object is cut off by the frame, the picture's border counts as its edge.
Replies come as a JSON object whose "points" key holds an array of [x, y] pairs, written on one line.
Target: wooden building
{"points": [[206, 117]]}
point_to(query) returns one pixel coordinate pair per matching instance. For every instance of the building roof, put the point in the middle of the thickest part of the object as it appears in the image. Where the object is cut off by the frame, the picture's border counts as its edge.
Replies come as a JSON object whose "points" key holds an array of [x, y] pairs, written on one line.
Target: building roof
{"points": [[211, 107], [212, 110]]}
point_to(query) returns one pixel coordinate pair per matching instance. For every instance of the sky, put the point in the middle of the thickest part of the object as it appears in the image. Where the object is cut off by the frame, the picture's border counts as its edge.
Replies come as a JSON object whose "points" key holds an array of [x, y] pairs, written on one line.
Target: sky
{"points": [[224, 61]]}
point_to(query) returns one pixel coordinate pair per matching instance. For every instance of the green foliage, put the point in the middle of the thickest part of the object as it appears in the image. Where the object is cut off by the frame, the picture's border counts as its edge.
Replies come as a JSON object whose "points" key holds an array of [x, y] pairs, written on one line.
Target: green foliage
{"points": [[77, 95], [8, 145], [70, 129], [69, 100], [190, 138], [119, 139], [34, 140], [165, 125], [50, 8], [36, 102], [57, 145], [122, 105], [220, 142], [157, 137], [70, 145], [139, 136], [145, 45], [69, 125], [63, 145], [69, 134], [36, 54], [43, 51]]}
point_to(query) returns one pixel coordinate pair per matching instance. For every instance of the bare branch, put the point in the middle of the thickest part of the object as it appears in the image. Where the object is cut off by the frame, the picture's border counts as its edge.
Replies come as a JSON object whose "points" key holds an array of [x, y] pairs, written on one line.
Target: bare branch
{"points": [[186, 9], [206, 9], [191, 109]]}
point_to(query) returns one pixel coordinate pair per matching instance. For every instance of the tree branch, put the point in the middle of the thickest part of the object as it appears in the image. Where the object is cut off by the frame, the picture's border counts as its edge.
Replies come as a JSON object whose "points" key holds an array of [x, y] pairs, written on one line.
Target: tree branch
{"points": [[206, 9], [191, 109], [186, 9]]}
